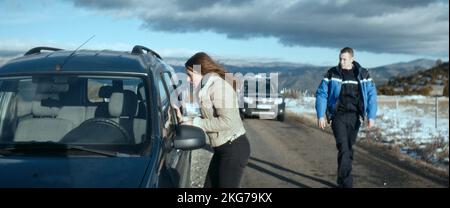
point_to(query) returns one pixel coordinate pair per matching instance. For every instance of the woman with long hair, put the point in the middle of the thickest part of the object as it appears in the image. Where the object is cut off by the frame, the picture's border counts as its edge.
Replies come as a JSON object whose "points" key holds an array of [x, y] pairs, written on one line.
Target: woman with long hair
{"points": [[220, 119]]}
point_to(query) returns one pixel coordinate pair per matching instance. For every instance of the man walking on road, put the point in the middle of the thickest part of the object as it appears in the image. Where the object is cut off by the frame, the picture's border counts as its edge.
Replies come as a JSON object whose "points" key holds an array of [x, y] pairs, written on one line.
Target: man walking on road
{"points": [[346, 94]]}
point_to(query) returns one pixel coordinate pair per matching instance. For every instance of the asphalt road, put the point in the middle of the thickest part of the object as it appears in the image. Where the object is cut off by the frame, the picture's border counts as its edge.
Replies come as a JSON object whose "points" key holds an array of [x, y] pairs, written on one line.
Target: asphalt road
{"points": [[292, 155]]}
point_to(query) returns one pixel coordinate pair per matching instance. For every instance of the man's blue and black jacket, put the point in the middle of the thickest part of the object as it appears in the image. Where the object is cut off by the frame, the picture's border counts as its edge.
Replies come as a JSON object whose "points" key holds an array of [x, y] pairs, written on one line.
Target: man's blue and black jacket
{"points": [[327, 94]]}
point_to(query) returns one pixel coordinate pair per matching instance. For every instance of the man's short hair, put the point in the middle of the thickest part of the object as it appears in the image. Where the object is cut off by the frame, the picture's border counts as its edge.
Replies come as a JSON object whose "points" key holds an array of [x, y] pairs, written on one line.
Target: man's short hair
{"points": [[347, 50]]}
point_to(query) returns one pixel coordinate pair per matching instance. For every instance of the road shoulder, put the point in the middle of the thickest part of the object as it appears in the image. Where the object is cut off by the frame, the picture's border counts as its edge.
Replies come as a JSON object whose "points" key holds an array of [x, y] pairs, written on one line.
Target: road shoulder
{"points": [[387, 156]]}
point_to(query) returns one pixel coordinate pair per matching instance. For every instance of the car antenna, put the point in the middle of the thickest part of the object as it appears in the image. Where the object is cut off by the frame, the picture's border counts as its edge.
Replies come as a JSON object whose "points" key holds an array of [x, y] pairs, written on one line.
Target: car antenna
{"points": [[68, 57]]}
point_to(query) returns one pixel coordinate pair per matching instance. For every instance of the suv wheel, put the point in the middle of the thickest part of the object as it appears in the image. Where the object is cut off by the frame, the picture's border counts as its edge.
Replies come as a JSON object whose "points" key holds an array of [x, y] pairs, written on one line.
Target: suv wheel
{"points": [[280, 117]]}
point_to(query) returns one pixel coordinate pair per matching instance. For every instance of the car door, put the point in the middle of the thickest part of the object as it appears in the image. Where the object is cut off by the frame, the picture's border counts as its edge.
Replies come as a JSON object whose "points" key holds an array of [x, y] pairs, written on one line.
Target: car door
{"points": [[176, 161]]}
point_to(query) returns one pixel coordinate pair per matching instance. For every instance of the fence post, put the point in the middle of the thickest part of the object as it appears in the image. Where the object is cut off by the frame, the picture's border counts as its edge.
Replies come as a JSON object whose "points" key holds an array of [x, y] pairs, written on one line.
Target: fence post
{"points": [[396, 111], [436, 107]]}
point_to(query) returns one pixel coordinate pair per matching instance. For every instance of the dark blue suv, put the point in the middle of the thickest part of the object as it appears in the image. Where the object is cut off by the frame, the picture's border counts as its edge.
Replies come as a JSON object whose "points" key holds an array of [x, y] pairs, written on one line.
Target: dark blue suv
{"points": [[92, 119]]}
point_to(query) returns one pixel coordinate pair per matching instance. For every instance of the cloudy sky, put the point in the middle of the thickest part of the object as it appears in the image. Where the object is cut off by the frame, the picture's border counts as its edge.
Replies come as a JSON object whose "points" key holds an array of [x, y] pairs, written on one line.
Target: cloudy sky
{"points": [[299, 31]]}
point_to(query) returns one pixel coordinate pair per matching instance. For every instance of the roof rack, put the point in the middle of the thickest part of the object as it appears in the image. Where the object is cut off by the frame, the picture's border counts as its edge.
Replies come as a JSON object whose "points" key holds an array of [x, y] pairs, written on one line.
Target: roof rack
{"points": [[138, 49], [39, 49]]}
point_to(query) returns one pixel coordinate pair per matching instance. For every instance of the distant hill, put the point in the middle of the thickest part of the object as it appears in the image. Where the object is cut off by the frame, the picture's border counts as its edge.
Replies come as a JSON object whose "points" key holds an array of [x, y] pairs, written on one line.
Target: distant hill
{"points": [[382, 74], [433, 81], [307, 77]]}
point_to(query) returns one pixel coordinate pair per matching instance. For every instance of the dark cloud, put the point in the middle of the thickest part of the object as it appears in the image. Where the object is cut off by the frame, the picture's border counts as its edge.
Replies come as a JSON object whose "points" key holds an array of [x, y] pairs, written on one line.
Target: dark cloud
{"points": [[384, 26], [193, 5], [357, 8]]}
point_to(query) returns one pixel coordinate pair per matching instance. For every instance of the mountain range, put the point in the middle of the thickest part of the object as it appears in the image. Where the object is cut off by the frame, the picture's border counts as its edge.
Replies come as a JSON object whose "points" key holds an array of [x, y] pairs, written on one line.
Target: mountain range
{"points": [[304, 77]]}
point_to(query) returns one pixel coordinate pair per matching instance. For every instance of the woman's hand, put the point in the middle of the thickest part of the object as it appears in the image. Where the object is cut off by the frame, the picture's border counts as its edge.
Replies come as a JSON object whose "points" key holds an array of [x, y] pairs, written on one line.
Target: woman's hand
{"points": [[182, 119], [178, 112]]}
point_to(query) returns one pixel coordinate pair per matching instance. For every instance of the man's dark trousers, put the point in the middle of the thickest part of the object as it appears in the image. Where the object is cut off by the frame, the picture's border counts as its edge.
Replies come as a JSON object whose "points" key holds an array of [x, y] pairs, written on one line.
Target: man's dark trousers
{"points": [[345, 127]]}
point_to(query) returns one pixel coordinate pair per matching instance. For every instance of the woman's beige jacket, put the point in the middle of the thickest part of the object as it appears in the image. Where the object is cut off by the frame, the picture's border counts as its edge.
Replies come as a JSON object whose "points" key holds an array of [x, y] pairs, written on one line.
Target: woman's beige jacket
{"points": [[220, 111]]}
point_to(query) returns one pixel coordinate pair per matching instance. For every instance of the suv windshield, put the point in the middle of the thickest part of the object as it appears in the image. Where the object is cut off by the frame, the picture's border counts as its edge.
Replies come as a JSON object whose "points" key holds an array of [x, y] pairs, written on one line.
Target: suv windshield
{"points": [[260, 87], [105, 113]]}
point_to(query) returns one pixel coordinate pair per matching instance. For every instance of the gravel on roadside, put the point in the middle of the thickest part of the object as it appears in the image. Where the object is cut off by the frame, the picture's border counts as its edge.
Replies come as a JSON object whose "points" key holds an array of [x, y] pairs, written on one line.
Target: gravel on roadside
{"points": [[200, 163]]}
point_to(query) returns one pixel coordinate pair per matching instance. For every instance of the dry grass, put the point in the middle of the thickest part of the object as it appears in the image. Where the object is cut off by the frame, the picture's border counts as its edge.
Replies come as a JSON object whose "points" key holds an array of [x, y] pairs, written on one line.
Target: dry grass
{"points": [[433, 153], [394, 151], [293, 94]]}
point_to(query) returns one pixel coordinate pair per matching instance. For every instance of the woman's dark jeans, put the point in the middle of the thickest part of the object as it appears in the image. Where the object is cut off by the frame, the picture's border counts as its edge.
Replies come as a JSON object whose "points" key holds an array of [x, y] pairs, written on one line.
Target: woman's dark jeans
{"points": [[228, 163]]}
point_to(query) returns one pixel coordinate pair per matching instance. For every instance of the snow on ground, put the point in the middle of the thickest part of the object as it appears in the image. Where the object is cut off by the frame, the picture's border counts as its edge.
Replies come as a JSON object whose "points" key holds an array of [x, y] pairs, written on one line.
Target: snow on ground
{"points": [[400, 119], [421, 125], [302, 105]]}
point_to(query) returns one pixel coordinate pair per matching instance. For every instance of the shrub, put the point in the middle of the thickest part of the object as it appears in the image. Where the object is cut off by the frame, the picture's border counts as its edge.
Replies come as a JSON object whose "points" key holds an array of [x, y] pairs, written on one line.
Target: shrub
{"points": [[425, 90], [290, 93]]}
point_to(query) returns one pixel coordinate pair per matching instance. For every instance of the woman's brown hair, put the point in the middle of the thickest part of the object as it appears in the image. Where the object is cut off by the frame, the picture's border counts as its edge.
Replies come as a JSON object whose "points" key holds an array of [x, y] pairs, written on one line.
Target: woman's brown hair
{"points": [[208, 65]]}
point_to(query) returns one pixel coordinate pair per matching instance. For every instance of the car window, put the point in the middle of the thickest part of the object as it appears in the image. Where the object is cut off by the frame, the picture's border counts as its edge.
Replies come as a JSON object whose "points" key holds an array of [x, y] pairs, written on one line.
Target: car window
{"points": [[169, 80], [50, 108], [96, 95], [163, 95], [168, 114], [93, 89]]}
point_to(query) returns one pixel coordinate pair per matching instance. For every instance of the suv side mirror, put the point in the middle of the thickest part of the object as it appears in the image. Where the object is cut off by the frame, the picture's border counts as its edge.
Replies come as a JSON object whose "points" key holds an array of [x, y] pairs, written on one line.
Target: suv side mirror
{"points": [[189, 137]]}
